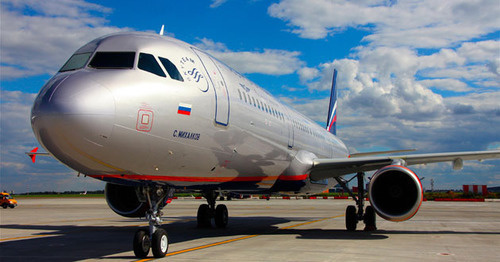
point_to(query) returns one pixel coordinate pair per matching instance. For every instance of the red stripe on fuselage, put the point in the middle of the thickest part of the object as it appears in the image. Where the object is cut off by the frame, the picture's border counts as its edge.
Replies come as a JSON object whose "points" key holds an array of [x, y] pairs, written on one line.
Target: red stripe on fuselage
{"points": [[201, 179], [293, 178]]}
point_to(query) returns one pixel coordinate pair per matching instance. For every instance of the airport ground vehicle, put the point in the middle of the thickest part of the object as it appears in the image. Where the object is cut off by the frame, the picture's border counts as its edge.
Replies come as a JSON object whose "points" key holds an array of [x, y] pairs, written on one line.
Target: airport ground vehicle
{"points": [[7, 200]]}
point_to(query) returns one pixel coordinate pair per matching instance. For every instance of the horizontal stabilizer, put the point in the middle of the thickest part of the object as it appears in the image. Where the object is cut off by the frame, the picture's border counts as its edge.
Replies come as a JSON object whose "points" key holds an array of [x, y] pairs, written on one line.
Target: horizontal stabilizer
{"points": [[33, 153]]}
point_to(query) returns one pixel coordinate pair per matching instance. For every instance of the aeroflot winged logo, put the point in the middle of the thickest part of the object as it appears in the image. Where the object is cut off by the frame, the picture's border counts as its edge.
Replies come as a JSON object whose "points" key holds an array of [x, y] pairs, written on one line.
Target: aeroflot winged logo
{"points": [[184, 109]]}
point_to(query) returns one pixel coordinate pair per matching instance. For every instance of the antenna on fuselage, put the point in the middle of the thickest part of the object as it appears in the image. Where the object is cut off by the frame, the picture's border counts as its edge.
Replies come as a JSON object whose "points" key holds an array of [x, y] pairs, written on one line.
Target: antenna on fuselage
{"points": [[161, 30]]}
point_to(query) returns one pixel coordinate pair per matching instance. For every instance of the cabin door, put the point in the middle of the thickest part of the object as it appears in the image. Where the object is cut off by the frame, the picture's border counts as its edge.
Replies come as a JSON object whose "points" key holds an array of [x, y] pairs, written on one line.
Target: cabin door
{"points": [[291, 131], [220, 88]]}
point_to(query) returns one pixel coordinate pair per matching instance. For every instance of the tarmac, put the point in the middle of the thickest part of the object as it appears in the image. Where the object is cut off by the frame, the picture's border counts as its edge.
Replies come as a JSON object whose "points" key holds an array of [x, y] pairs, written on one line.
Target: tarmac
{"points": [[85, 229]]}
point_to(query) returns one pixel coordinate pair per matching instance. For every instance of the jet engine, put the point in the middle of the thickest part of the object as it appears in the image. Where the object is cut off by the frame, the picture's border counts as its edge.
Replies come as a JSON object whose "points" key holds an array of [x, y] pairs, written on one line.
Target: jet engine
{"points": [[395, 192], [125, 201]]}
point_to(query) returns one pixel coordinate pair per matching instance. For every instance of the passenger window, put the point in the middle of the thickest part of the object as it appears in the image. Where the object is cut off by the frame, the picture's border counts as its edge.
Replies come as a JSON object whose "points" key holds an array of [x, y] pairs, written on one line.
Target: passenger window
{"points": [[239, 93], [171, 69], [76, 61], [245, 98], [147, 62], [113, 60]]}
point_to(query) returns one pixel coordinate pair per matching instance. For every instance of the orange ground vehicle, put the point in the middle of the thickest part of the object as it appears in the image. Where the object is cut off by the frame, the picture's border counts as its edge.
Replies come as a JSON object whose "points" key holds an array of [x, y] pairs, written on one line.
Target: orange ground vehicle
{"points": [[7, 200]]}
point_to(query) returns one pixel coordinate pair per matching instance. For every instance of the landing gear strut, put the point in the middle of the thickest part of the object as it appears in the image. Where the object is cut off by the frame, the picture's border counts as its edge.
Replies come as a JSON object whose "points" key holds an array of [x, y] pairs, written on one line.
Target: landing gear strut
{"points": [[208, 211], [351, 216], [155, 238]]}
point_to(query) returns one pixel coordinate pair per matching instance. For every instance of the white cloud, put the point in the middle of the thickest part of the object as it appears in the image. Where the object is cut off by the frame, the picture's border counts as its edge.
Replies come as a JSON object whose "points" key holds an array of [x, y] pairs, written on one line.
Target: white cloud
{"points": [[38, 36], [485, 103], [480, 51], [217, 3], [307, 74], [446, 84], [269, 61], [419, 24]]}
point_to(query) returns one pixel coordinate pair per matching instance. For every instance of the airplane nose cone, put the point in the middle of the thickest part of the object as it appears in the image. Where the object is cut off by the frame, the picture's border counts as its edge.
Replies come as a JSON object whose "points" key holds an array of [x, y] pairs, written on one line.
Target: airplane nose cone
{"points": [[73, 117], [73, 95]]}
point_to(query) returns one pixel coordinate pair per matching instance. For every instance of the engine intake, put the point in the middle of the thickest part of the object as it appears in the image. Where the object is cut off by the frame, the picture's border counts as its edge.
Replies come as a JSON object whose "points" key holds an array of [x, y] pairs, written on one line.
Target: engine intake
{"points": [[395, 192], [124, 201]]}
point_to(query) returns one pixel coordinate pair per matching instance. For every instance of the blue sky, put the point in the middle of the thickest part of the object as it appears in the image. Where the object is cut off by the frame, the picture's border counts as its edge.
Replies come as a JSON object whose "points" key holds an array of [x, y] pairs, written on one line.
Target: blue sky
{"points": [[412, 74]]}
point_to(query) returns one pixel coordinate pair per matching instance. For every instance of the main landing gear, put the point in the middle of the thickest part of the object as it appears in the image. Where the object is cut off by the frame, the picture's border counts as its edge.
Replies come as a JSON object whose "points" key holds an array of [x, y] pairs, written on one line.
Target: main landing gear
{"points": [[208, 211], [351, 216], [155, 238]]}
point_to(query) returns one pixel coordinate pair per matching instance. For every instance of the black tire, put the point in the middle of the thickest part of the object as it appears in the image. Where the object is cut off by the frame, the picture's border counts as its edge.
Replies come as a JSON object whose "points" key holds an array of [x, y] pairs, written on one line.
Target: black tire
{"points": [[370, 219], [4, 206], [351, 219], [159, 245], [203, 216], [221, 216], [142, 243]]}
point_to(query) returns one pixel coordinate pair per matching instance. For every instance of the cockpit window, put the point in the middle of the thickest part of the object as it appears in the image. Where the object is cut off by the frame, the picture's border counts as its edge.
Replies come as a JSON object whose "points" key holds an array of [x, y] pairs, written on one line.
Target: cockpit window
{"points": [[113, 60], [147, 62], [75, 62], [171, 69]]}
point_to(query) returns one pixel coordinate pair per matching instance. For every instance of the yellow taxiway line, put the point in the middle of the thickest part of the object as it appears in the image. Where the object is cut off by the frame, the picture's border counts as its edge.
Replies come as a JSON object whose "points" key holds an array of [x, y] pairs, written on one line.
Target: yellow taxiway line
{"points": [[238, 239]]}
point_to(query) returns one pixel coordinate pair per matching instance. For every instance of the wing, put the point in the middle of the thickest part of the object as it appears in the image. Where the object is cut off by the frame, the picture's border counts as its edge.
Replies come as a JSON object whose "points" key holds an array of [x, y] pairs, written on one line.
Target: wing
{"points": [[327, 168]]}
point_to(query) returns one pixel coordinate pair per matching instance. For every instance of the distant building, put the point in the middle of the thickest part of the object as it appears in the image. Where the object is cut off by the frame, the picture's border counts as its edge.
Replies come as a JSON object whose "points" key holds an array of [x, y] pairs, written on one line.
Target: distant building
{"points": [[476, 189], [495, 189]]}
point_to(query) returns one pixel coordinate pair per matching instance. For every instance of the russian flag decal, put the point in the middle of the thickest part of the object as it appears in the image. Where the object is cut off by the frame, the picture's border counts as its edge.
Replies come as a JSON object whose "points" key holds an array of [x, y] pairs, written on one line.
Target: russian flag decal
{"points": [[184, 109]]}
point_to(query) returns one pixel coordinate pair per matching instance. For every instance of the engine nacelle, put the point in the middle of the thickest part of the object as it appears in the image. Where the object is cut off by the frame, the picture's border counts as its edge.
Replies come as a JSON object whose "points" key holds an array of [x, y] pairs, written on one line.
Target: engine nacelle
{"points": [[124, 201], [395, 192]]}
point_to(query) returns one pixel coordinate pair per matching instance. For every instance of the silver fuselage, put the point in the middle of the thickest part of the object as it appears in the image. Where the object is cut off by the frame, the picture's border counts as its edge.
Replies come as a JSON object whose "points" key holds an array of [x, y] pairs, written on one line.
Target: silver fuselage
{"points": [[215, 129]]}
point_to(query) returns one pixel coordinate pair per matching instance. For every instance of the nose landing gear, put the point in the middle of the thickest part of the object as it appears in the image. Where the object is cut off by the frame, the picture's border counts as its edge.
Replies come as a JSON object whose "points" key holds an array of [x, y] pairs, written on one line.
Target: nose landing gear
{"points": [[155, 238]]}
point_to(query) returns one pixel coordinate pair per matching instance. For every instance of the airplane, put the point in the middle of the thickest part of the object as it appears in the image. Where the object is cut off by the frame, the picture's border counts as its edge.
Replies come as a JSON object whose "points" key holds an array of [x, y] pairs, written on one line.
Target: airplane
{"points": [[149, 114]]}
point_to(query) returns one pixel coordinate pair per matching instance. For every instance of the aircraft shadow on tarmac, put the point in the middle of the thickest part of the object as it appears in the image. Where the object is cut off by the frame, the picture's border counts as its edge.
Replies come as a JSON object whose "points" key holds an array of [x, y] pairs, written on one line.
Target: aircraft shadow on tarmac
{"points": [[71, 243]]}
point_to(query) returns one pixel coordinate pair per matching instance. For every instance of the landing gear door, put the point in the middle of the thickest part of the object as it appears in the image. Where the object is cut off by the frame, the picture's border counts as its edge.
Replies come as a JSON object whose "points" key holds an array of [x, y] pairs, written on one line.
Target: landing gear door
{"points": [[220, 88]]}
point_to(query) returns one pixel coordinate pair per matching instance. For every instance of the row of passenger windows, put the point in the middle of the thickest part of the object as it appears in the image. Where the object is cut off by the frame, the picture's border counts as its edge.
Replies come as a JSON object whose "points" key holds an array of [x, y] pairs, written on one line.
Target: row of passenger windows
{"points": [[270, 110], [123, 60], [260, 105], [306, 129]]}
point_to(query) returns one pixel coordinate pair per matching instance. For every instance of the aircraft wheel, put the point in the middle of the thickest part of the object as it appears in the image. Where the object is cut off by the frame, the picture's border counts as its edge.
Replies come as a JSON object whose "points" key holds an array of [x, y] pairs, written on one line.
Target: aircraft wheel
{"points": [[203, 216], [142, 243], [370, 219], [159, 245], [351, 219], [221, 216]]}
